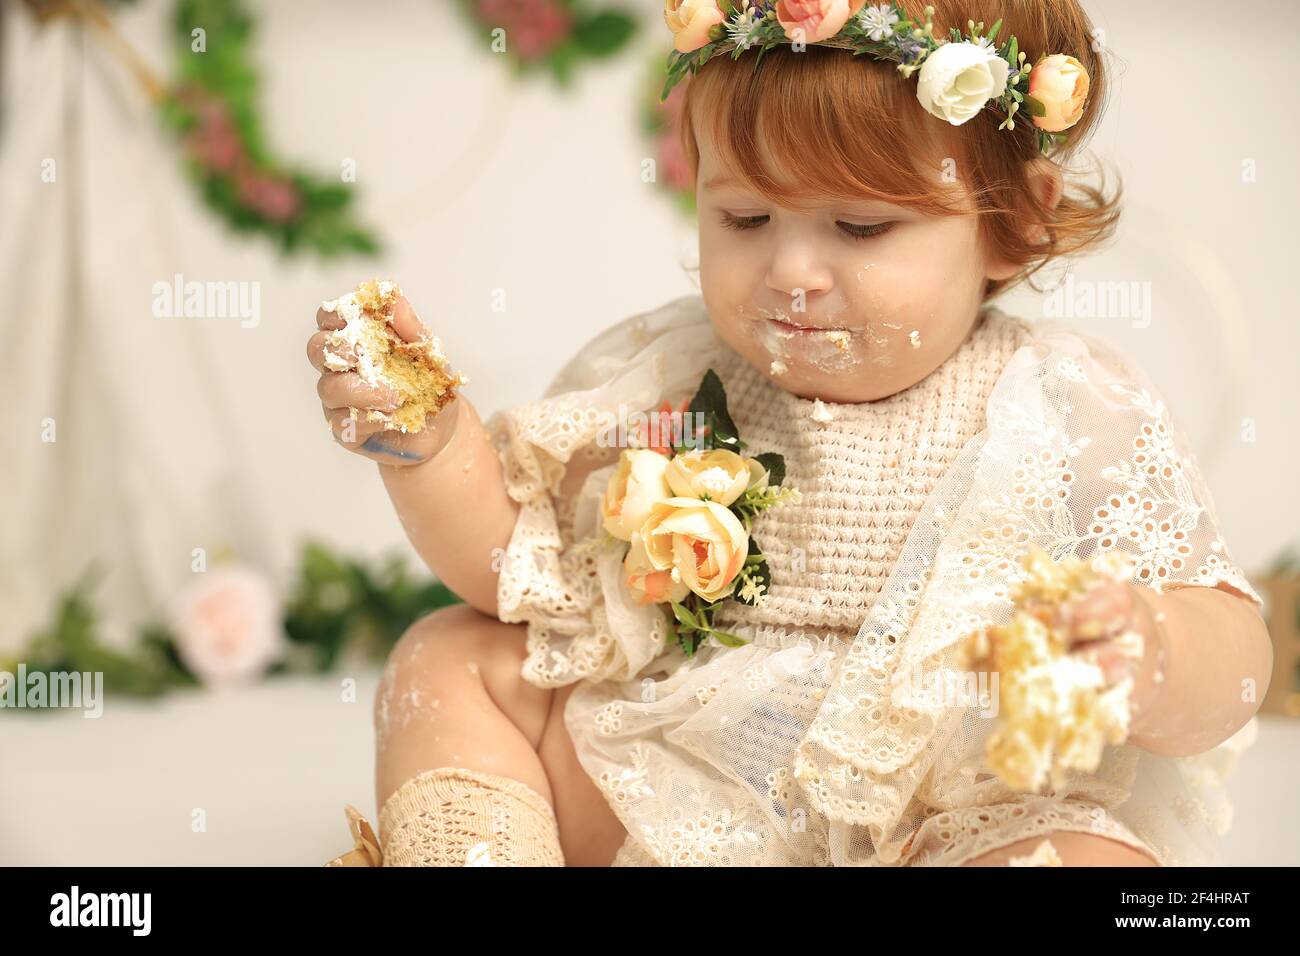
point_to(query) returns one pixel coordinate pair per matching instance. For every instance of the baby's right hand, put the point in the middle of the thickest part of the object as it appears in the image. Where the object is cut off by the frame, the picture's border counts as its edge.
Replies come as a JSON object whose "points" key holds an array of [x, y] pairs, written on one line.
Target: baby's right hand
{"points": [[346, 397]]}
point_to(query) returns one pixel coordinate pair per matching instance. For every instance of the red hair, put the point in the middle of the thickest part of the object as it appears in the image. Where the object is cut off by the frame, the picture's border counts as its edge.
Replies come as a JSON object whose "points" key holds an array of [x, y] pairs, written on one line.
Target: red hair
{"points": [[840, 125]]}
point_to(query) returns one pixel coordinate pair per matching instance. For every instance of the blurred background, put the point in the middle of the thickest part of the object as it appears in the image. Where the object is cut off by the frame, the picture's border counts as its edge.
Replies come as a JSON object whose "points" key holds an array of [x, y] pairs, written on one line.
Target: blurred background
{"points": [[173, 510]]}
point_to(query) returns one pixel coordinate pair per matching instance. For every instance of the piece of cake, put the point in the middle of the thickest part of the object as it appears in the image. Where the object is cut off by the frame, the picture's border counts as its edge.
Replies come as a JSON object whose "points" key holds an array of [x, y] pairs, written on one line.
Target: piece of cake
{"points": [[1057, 712], [418, 371]]}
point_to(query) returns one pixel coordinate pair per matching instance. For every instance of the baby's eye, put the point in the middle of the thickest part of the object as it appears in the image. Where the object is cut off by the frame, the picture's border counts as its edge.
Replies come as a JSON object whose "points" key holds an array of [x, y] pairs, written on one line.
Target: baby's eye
{"points": [[859, 231], [742, 222]]}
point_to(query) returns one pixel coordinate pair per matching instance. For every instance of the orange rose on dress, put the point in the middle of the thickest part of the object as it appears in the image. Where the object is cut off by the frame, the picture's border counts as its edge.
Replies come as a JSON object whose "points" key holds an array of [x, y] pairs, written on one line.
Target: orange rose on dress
{"points": [[648, 584], [702, 541], [636, 485]]}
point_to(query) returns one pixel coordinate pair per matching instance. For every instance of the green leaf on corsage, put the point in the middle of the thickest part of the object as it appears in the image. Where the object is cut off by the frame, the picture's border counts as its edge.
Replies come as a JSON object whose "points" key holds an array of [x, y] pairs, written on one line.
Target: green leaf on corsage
{"points": [[710, 402]]}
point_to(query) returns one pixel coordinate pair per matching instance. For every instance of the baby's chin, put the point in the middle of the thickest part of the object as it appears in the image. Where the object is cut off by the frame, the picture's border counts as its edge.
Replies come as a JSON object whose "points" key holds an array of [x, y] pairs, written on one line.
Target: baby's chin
{"points": [[844, 366]]}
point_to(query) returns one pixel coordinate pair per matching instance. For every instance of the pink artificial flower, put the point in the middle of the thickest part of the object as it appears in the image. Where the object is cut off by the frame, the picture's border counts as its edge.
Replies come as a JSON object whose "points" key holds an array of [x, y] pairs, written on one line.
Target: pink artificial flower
{"points": [[227, 625], [533, 27], [673, 167], [215, 142], [816, 20], [272, 198]]}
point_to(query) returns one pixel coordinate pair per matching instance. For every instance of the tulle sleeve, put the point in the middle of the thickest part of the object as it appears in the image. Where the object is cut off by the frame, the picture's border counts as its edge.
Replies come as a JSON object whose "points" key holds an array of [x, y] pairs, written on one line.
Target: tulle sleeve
{"points": [[561, 574], [1109, 469], [1079, 456]]}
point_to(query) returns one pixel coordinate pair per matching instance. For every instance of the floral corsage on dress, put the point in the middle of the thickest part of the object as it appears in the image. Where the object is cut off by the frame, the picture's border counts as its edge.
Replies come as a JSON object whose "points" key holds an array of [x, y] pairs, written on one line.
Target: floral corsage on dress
{"points": [[685, 505]]}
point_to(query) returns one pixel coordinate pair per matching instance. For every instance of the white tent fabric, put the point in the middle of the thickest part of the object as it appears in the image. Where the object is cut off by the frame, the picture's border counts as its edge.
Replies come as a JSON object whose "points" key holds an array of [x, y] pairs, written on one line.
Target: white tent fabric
{"points": [[143, 466]]}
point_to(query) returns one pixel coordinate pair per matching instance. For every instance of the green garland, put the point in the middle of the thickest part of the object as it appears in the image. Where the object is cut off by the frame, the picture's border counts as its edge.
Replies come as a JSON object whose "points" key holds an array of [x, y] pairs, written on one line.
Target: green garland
{"points": [[549, 36], [661, 129], [336, 604], [211, 107]]}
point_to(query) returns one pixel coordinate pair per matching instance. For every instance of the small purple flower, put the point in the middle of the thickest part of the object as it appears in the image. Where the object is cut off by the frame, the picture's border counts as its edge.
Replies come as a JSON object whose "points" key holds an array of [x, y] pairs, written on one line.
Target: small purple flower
{"points": [[908, 47]]}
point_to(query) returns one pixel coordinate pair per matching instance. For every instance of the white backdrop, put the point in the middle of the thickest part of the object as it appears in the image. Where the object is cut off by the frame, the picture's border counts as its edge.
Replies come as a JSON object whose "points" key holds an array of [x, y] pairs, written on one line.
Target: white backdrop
{"points": [[182, 433]]}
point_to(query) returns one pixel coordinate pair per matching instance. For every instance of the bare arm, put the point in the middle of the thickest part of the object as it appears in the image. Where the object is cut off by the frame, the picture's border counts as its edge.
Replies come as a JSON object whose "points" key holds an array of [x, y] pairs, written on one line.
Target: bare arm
{"points": [[1205, 663], [454, 507], [1218, 662], [445, 481]]}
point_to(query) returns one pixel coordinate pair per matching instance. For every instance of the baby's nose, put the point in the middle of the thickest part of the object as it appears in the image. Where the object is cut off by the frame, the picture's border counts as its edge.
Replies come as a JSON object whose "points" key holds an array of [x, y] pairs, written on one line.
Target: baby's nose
{"points": [[796, 270]]}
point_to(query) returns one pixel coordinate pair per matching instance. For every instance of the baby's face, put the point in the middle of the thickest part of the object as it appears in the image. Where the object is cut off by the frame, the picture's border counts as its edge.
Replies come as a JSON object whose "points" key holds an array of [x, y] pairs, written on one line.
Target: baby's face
{"points": [[846, 300]]}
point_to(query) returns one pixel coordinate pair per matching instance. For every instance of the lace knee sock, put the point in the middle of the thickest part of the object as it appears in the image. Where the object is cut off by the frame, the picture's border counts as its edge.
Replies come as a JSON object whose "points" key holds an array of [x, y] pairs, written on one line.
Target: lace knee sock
{"points": [[451, 816]]}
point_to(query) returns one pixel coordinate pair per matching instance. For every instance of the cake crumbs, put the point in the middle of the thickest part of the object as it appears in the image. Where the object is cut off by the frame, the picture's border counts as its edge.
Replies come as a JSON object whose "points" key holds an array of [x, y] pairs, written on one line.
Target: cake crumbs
{"points": [[839, 338], [417, 371], [1044, 855], [1059, 711]]}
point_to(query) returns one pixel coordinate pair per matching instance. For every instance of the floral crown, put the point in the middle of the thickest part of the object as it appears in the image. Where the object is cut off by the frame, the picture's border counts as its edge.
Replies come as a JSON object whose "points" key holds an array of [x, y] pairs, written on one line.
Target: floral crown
{"points": [[959, 75]]}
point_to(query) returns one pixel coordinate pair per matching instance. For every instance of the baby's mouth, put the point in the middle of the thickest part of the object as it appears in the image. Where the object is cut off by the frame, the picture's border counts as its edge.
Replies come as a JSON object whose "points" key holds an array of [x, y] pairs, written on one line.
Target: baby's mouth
{"points": [[807, 329]]}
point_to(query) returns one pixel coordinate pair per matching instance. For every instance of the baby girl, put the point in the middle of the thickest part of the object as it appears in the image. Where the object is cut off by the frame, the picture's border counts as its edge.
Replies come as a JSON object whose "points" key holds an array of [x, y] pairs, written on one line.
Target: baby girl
{"points": [[869, 179]]}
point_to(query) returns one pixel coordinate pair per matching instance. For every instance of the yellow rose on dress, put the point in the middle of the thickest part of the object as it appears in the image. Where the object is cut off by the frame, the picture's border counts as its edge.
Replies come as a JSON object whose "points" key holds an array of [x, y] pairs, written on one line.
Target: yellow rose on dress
{"points": [[1060, 83], [635, 487], [648, 584], [720, 475], [701, 540], [691, 21]]}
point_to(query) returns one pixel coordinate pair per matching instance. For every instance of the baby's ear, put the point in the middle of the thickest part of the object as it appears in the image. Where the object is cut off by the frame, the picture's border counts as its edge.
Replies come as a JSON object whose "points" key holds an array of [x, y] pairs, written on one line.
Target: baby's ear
{"points": [[1045, 182]]}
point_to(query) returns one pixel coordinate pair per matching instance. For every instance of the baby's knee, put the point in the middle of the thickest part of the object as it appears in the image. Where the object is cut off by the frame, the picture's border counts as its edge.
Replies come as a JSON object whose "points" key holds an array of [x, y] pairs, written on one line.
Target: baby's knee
{"points": [[455, 632], [454, 645], [1065, 848]]}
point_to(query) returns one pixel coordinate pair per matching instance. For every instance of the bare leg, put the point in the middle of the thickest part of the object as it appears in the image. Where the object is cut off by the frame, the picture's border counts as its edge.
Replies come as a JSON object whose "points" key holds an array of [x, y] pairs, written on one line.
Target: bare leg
{"points": [[1074, 849], [452, 696]]}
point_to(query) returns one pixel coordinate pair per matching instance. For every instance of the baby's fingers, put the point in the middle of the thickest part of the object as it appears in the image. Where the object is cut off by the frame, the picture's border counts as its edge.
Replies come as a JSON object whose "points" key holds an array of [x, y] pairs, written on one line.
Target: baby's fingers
{"points": [[328, 355], [405, 322], [329, 320], [348, 389], [1103, 612], [350, 427]]}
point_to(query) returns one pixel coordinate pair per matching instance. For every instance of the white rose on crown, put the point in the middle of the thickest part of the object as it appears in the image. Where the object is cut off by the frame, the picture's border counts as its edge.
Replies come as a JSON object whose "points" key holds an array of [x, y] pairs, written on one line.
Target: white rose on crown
{"points": [[957, 79]]}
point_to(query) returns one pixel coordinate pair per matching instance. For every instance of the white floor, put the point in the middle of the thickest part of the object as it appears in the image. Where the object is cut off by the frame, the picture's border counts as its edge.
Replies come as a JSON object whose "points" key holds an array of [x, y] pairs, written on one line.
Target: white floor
{"points": [[267, 771]]}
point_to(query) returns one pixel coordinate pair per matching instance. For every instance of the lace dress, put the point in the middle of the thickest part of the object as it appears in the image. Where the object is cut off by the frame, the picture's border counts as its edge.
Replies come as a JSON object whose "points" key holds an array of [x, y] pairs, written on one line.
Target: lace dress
{"points": [[796, 748]]}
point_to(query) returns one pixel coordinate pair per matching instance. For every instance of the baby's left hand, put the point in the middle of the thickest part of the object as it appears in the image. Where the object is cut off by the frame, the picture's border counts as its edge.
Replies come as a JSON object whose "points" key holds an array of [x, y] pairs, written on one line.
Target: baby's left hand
{"points": [[1101, 625]]}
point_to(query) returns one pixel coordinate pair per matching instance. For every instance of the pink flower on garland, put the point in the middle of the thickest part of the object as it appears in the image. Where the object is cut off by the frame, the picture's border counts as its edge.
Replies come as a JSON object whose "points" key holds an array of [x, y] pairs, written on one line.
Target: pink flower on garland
{"points": [[227, 625], [215, 142], [273, 198], [673, 167], [533, 27]]}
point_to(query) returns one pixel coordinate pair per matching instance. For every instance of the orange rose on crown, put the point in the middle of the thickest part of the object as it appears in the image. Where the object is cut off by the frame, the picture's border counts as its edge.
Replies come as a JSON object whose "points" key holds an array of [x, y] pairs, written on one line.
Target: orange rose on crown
{"points": [[686, 508]]}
